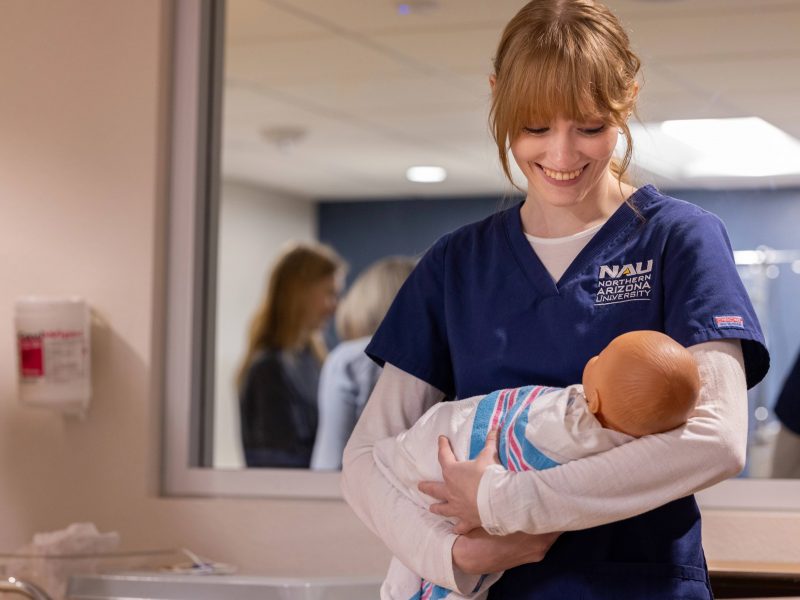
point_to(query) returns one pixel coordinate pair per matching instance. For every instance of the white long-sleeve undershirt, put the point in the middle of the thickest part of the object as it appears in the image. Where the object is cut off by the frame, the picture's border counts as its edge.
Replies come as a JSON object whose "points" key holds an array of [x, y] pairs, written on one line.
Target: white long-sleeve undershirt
{"points": [[629, 480]]}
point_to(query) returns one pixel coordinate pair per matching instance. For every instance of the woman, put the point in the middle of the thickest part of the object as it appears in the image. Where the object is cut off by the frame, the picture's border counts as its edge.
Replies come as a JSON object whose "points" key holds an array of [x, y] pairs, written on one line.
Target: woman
{"points": [[279, 375], [348, 375], [530, 294]]}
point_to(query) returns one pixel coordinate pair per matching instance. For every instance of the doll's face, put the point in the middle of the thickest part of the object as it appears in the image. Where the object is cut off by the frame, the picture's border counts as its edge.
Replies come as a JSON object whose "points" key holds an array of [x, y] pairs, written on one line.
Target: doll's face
{"points": [[602, 402]]}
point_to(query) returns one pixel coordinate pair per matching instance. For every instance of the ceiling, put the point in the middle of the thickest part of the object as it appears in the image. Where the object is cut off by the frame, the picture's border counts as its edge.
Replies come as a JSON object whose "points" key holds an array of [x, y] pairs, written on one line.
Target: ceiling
{"points": [[354, 92]]}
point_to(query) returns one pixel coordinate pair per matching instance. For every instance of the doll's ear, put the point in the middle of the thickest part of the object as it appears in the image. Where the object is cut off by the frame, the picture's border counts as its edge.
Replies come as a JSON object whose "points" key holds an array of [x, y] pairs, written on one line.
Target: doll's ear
{"points": [[593, 400]]}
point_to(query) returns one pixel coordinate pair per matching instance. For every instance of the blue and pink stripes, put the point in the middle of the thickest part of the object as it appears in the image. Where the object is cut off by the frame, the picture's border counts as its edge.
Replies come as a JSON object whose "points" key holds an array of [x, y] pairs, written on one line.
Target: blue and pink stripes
{"points": [[429, 591], [507, 412]]}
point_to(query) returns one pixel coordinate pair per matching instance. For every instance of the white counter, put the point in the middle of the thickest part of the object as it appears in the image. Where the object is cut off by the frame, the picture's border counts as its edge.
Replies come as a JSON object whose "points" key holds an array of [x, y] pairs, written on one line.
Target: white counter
{"points": [[166, 586]]}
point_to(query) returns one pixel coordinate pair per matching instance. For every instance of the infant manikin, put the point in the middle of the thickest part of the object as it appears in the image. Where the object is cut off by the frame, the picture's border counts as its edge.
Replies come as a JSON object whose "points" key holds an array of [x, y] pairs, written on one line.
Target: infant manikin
{"points": [[642, 383]]}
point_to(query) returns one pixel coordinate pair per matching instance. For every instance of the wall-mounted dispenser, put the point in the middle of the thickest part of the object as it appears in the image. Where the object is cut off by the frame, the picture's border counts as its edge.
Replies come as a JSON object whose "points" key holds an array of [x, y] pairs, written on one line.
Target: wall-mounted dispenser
{"points": [[53, 351]]}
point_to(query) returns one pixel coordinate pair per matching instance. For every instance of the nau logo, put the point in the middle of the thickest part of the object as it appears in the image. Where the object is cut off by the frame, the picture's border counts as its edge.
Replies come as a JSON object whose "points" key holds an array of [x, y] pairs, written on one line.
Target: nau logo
{"points": [[628, 282], [617, 271]]}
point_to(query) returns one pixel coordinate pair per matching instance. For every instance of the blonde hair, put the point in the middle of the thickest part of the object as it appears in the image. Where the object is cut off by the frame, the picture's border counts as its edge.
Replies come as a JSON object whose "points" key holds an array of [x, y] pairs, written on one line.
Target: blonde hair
{"points": [[280, 322], [363, 307], [563, 58]]}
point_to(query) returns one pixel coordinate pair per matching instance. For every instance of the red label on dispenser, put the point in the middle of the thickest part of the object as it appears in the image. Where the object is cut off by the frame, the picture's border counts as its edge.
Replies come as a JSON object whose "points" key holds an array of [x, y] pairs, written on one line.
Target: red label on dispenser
{"points": [[31, 356]]}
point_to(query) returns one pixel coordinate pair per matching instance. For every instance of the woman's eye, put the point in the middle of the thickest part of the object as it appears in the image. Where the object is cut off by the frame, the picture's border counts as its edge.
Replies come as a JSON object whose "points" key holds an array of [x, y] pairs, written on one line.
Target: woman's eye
{"points": [[535, 130], [593, 130]]}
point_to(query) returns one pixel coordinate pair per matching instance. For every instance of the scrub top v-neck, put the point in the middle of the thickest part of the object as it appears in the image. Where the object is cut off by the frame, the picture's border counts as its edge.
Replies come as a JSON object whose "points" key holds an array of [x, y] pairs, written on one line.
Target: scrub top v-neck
{"points": [[531, 264], [556, 254]]}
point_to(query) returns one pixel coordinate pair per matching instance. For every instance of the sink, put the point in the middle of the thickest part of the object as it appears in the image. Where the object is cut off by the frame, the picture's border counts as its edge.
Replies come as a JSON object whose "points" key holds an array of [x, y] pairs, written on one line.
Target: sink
{"points": [[167, 586]]}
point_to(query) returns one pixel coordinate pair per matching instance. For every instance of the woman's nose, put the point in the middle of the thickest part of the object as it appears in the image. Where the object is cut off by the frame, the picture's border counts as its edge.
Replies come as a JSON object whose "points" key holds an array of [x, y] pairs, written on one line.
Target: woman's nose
{"points": [[562, 151]]}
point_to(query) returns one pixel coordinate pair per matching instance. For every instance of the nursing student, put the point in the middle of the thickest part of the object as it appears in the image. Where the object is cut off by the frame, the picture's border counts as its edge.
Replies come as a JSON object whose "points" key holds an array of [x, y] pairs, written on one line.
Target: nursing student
{"points": [[529, 294]]}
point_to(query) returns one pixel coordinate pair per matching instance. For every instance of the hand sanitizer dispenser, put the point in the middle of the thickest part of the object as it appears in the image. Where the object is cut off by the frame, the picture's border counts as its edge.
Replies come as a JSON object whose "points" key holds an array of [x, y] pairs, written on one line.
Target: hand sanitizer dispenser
{"points": [[53, 353]]}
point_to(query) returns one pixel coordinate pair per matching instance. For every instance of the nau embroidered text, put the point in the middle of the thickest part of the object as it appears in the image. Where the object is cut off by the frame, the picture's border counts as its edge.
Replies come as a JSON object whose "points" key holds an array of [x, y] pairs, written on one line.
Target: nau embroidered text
{"points": [[624, 283]]}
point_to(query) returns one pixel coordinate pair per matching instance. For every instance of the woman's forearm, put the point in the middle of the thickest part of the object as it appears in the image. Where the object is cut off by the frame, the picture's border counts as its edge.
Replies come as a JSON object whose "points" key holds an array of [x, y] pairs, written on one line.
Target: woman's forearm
{"points": [[421, 540], [477, 552], [638, 476]]}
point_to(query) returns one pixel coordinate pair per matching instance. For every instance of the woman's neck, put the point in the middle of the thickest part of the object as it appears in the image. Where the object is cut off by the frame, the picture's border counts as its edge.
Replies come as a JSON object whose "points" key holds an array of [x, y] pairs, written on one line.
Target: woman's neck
{"points": [[544, 219]]}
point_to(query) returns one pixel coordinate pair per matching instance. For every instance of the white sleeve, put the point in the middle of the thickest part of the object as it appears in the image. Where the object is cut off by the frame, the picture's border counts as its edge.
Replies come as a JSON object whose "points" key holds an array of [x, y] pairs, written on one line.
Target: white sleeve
{"points": [[421, 540], [638, 476]]}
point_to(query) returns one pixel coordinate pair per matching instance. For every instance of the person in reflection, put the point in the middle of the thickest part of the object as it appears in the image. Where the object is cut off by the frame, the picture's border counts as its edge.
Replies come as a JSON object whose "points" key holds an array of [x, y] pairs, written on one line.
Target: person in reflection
{"points": [[529, 294], [786, 458], [279, 375], [642, 383], [348, 374]]}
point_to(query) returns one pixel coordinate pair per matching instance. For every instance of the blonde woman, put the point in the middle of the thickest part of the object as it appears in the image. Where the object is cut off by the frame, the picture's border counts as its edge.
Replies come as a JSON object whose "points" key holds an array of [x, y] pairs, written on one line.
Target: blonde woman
{"points": [[348, 374], [279, 375], [529, 294]]}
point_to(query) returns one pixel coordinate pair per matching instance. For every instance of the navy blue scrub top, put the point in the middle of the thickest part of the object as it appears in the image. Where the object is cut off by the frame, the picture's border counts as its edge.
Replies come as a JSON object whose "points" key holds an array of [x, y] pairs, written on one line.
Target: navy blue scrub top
{"points": [[480, 312], [787, 408]]}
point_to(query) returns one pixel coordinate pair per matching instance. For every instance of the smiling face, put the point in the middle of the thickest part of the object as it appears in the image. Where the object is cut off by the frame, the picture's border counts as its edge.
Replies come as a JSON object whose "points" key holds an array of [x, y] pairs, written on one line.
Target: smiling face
{"points": [[565, 161], [564, 66]]}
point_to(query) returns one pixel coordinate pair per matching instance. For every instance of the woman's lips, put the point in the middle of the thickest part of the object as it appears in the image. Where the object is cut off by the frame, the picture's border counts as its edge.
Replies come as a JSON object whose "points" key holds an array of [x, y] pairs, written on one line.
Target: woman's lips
{"points": [[561, 176]]}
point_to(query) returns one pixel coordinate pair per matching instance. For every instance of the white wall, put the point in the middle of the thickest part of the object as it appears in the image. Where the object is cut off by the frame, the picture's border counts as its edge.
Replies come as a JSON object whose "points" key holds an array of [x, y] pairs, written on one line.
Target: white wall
{"points": [[254, 224], [82, 182], [81, 203]]}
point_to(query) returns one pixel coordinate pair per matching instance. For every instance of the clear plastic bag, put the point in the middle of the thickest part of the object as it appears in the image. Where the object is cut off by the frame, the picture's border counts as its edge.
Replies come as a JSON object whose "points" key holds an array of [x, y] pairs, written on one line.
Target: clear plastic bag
{"points": [[52, 557]]}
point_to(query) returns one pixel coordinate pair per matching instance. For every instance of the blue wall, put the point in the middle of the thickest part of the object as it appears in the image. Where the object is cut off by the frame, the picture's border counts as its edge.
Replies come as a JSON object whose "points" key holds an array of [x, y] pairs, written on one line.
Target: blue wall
{"points": [[365, 231]]}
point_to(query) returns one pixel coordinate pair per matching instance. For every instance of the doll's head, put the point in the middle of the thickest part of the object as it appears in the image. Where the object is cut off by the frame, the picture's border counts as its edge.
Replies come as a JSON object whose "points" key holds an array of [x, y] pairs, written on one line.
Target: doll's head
{"points": [[643, 382]]}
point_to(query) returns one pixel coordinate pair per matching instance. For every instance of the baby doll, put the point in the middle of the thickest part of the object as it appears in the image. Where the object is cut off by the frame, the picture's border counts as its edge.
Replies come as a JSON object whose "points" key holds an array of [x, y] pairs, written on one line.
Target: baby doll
{"points": [[642, 383]]}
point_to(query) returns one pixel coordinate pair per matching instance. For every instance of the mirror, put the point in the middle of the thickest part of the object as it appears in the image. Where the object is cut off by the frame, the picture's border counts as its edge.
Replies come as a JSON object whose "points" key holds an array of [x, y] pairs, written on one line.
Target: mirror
{"points": [[313, 111]]}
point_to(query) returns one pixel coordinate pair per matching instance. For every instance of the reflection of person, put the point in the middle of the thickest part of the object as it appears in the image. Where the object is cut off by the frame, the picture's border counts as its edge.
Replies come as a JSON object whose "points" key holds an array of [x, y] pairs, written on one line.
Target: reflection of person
{"points": [[786, 459], [642, 383], [528, 295], [348, 374], [280, 372]]}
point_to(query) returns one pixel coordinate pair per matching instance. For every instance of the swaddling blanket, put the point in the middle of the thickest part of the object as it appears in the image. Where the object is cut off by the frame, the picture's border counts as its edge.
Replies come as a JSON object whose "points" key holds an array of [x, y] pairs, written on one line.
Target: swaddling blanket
{"points": [[538, 428]]}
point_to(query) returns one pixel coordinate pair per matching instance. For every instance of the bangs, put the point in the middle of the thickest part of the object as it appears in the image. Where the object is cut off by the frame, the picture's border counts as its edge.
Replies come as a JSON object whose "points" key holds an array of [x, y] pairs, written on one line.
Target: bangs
{"points": [[555, 85], [554, 89]]}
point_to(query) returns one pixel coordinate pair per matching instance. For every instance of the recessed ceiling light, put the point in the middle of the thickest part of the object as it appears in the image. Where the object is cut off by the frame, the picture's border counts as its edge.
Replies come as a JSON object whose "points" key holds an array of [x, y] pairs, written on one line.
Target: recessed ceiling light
{"points": [[743, 147], [426, 174], [684, 150]]}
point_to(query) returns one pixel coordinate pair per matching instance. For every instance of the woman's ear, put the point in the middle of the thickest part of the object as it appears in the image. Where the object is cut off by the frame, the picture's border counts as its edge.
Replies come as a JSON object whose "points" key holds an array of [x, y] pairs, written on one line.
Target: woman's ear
{"points": [[492, 81]]}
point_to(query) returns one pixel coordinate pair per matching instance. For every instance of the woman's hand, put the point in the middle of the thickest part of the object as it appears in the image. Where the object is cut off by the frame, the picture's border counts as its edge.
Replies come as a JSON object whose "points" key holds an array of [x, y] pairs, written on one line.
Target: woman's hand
{"points": [[478, 552], [458, 492]]}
